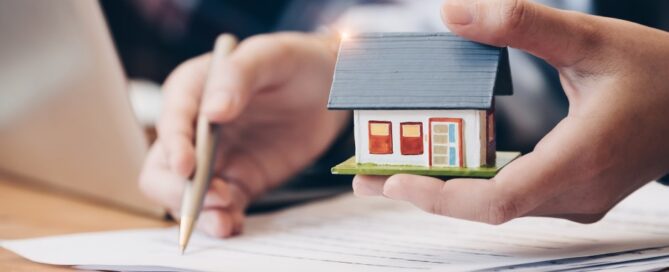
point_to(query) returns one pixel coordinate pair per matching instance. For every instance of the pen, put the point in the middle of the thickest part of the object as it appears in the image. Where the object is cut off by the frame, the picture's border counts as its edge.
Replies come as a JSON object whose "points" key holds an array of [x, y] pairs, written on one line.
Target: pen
{"points": [[206, 141]]}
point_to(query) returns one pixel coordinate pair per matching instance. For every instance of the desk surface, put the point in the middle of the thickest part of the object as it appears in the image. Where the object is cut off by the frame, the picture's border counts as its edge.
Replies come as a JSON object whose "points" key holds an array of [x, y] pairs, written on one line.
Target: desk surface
{"points": [[29, 211]]}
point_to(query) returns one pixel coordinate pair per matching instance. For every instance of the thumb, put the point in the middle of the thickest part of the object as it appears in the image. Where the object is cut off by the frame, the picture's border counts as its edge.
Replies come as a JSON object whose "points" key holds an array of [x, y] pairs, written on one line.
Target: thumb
{"points": [[562, 38]]}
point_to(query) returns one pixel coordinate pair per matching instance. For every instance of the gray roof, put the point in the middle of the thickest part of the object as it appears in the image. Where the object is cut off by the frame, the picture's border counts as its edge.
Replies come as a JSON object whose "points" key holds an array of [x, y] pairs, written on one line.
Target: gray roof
{"points": [[418, 71]]}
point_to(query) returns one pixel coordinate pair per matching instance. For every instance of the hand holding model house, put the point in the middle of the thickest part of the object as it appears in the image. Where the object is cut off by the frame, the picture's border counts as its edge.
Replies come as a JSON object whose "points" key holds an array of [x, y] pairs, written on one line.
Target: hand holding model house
{"points": [[613, 141], [271, 102]]}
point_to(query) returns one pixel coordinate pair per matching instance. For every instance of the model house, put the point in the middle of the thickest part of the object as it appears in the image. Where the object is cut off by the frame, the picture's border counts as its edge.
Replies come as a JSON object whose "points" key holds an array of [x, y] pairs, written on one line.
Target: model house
{"points": [[421, 99]]}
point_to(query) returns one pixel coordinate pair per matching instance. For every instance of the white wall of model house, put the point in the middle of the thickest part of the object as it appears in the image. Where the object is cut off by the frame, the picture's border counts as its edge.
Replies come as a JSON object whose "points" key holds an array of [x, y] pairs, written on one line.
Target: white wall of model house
{"points": [[473, 133]]}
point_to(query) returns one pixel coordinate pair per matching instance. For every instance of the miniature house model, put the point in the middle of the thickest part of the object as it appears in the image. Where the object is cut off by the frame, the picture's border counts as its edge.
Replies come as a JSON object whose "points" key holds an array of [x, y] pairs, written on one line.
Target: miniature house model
{"points": [[421, 99]]}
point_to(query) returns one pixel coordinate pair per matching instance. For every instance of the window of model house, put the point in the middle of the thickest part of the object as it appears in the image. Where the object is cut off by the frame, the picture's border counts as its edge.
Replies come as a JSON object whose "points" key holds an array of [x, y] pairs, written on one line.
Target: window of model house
{"points": [[380, 137], [411, 134]]}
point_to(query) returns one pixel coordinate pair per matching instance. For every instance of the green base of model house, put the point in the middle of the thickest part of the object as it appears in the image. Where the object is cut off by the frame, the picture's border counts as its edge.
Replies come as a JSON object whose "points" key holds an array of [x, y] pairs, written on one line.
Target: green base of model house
{"points": [[350, 167]]}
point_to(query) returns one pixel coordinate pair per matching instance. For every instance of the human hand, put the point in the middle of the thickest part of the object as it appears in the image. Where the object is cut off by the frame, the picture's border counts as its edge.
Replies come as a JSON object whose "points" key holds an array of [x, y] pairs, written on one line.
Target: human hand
{"points": [[270, 98], [613, 141]]}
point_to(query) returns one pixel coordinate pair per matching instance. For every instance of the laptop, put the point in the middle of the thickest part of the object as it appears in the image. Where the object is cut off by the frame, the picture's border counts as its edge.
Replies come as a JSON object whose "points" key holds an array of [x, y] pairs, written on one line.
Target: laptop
{"points": [[66, 121]]}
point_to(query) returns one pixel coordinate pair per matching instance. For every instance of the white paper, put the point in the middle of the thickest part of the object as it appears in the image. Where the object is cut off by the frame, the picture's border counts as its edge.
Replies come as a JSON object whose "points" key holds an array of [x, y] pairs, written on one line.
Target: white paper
{"points": [[370, 234]]}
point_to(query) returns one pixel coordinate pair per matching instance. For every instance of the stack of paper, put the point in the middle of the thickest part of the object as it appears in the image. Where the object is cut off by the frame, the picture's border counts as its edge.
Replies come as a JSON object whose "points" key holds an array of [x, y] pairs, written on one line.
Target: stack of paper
{"points": [[356, 234]]}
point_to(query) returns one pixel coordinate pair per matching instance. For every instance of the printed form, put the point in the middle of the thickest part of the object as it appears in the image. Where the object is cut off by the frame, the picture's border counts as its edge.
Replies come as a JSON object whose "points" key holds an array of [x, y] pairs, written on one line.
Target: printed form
{"points": [[374, 234]]}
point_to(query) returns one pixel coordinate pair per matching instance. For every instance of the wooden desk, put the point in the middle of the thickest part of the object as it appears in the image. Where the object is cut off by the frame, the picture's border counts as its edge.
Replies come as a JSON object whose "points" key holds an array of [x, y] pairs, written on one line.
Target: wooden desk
{"points": [[28, 211]]}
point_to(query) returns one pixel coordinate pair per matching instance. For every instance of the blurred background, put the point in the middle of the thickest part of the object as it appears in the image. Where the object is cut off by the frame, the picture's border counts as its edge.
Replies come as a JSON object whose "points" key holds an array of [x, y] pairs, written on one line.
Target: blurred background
{"points": [[154, 36]]}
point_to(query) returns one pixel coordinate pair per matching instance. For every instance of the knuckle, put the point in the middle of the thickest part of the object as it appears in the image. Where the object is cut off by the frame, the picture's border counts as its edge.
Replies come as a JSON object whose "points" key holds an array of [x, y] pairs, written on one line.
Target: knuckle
{"points": [[500, 211], [516, 16], [394, 183], [401, 178], [238, 66], [190, 66], [280, 43], [258, 40], [591, 33], [595, 206], [284, 45], [187, 65], [440, 206], [590, 42], [237, 62]]}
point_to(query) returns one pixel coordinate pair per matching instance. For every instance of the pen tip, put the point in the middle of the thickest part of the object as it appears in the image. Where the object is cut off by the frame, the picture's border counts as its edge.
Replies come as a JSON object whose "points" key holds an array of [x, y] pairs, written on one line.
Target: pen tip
{"points": [[185, 231]]}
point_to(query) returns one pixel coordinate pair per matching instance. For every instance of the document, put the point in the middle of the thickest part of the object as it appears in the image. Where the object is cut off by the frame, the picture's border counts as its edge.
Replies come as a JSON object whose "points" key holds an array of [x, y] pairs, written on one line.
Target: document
{"points": [[347, 233]]}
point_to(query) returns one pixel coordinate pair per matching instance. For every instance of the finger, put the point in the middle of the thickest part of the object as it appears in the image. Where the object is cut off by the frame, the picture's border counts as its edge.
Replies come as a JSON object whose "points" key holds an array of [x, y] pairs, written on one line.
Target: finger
{"points": [[518, 189], [221, 223], [258, 62], [237, 207], [238, 218], [159, 183], [559, 163], [562, 38], [247, 172], [225, 221], [475, 200], [219, 195], [182, 95], [240, 198], [166, 188], [368, 185], [216, 222], [471, 199], [156, 158], [578, 218]]}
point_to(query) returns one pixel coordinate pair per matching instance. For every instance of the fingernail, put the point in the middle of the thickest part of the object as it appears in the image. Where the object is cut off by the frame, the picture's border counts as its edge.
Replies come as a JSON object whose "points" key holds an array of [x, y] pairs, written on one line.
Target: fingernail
{"points": [[458, 12], [393, 190]]}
